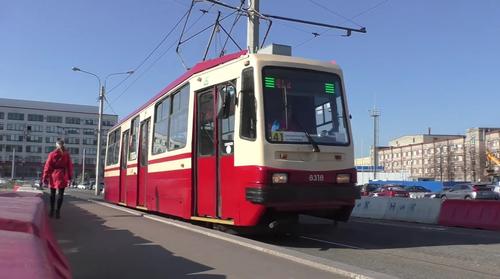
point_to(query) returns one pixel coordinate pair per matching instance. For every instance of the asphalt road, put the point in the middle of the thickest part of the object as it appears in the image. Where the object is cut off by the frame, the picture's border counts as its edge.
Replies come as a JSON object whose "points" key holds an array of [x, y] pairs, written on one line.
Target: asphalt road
{"points": [[102, 242], [404, 250]]}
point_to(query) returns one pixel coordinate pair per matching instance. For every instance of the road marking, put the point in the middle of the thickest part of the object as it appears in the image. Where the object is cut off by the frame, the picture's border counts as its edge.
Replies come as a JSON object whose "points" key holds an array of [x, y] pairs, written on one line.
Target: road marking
{"points": [[330, 242], [291, 255], [411, 226]]}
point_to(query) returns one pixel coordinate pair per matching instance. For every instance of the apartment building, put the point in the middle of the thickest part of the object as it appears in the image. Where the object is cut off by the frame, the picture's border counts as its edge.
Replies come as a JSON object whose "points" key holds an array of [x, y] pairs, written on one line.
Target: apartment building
{"points": [[29, 130], [441, 157]]}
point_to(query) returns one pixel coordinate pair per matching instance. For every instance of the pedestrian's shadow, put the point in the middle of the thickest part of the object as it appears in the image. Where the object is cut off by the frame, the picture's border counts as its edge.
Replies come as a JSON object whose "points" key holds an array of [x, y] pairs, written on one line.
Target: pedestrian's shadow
{"points": [[95, 250]]}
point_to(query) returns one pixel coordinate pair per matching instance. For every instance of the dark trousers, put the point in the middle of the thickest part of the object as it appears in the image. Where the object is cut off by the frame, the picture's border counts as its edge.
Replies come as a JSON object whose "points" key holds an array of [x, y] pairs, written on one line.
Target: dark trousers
{"points": [[60, 196]]}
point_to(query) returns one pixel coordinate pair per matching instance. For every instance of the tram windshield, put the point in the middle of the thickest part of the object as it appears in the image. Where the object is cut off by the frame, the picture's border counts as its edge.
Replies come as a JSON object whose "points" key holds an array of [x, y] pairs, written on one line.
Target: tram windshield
{"points": [[303, 106]]}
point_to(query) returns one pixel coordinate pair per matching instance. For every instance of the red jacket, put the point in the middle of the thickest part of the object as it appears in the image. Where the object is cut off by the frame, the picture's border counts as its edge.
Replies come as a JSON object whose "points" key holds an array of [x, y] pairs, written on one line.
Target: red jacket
{"points": [[58, 170]]}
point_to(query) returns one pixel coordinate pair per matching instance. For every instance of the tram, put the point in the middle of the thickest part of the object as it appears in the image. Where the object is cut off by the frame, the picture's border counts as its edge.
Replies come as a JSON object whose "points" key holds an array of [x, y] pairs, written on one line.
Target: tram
{"points": [[242, 140]]}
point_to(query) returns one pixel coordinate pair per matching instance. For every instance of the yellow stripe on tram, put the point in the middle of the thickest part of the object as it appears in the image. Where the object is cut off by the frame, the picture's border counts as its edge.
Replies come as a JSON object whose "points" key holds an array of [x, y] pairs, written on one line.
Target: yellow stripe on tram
{"points": [[212, 220]]}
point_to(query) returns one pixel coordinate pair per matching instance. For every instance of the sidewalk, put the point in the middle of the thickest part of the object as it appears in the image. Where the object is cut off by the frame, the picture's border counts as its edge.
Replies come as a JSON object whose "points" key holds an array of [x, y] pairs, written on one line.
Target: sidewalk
{"points": [[102, 242]]}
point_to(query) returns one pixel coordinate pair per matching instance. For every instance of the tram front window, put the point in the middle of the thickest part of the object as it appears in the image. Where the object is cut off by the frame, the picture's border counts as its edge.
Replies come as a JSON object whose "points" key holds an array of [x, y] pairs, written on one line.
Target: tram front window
{"points": [[298, 102]]}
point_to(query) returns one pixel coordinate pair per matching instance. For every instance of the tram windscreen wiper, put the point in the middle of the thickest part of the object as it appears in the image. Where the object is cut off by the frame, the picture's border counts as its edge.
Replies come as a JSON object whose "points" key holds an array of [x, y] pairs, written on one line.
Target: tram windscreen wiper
{"points": [[312, 142], [309, 137]]}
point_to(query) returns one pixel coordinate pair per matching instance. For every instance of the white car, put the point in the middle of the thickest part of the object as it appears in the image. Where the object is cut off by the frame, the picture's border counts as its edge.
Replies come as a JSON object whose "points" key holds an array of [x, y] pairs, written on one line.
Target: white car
{"points": [[496, 189], [83, 186]]}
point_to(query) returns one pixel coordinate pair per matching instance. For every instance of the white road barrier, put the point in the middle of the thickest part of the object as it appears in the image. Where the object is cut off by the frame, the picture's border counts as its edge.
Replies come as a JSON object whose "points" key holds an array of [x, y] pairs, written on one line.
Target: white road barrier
{"points": [[400, 209]]}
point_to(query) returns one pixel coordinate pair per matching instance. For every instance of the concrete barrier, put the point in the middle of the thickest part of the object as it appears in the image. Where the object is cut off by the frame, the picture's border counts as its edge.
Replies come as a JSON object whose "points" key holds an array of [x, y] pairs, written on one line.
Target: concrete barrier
{"points": [[413, 210], [400, 209], [471, 214], [368, 207], [24, 213]]}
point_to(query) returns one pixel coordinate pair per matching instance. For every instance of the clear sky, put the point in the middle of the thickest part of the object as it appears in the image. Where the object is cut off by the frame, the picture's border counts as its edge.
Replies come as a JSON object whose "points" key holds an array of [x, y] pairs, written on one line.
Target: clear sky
{"points": [[422, 63]]}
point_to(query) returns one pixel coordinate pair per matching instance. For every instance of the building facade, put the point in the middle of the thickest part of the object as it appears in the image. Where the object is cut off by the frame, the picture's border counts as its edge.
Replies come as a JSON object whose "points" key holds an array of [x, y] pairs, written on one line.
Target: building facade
{"points": [[29, 130], [441, 157]]}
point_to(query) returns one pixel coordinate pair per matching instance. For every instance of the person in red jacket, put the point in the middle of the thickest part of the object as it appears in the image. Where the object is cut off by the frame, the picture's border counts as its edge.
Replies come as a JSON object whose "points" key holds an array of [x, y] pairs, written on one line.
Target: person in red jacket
{"points": [[57, 173]]}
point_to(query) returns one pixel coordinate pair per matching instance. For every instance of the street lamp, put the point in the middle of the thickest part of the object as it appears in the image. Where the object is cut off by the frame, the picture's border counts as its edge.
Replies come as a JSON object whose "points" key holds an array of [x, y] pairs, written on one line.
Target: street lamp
{"points": [[102, 92]]}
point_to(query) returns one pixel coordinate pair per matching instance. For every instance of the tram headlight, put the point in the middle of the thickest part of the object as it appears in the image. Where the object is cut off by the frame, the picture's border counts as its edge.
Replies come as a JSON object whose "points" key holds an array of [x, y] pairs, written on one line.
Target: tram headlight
{"points": [[343, 178], [279, 178]]}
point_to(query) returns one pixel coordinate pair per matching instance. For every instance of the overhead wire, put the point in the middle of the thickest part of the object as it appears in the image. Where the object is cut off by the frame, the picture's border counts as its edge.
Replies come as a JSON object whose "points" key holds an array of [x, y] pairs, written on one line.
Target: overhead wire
{"points": [[160, 56], [350, 19], [150, 53]]}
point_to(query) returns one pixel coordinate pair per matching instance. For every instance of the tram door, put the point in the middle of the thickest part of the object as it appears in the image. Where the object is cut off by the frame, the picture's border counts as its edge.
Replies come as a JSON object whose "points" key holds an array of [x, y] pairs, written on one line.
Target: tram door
{"points": [[143, 162], [214, 147], [123, 168]]}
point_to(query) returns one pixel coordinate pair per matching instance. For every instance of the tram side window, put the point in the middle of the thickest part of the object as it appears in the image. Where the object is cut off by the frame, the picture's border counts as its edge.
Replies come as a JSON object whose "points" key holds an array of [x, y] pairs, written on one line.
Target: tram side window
{"points": [[177, 134], [248, 115], [113, 152], [162, 111], [134, 130], [227, 94]]}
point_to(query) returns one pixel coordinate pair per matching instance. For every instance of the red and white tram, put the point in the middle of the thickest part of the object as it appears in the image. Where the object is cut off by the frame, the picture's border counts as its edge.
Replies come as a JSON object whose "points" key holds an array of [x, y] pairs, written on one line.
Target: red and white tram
{"points": [[243, 140]]}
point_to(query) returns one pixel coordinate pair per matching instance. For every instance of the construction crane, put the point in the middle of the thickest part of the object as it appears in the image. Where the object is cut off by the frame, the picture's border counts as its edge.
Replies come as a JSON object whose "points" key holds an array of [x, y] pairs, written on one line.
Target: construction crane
{"points": [[493, 170]]}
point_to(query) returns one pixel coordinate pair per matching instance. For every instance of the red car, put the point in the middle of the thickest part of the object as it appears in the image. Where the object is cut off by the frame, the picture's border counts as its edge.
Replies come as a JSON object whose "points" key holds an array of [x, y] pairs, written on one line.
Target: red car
{"points": [[391, 191]]}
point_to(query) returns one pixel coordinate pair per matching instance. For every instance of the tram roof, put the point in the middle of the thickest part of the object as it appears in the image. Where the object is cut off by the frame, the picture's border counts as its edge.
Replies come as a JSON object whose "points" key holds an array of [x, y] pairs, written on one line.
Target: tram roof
{"points": [[200, 67]]}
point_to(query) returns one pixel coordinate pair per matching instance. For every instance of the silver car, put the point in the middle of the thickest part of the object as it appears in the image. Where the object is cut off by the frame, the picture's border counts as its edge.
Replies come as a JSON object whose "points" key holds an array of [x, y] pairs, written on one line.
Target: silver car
{"points": [[496, 190], [468, 192]]}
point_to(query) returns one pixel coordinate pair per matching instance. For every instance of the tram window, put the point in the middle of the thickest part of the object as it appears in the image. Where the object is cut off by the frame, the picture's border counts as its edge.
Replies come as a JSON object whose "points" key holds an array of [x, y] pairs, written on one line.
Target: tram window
{"points": [[248, 114], [125, 146], [132, 153], [113, 148], [206, 125], [162, 111], [178, 119], [227, 94]]}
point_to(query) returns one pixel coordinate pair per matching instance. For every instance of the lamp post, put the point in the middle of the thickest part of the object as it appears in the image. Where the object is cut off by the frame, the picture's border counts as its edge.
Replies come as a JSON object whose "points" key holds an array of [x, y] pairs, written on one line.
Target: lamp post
{"points": [[102, 92]]}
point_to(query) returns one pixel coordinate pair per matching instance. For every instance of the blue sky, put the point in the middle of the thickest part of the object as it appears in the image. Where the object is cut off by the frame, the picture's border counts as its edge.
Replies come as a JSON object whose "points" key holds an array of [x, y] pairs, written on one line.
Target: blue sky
{"points": [[423, 63]]}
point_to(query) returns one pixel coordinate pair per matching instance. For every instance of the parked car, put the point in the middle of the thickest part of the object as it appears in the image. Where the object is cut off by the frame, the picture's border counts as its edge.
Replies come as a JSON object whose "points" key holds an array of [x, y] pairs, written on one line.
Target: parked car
{"points": [[468, 192], [496, 190], [84, 186], [391, 191], [417, 192], [367, 189]]}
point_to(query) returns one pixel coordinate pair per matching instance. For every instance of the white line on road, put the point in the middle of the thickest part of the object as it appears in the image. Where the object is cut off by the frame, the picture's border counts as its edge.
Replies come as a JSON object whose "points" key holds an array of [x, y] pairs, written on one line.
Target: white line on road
{"points": [[330, 242], [406, 226], [291, 255]]}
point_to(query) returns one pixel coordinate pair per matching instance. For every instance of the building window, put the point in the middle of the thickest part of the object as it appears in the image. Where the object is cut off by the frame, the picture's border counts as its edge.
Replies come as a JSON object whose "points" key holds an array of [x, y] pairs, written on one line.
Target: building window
{"points": [[34, 128], [49, 149], [1, 126], [14, 138], [91, 122], [51, 139], [89, 132], [89, 141], [33, 159], [91, 151], [90, 161], [73, 120], [2, 115], [109, 123], [15, 116], [35, 117], [15, 127], [33, 149], [54, 119], [72, 131], [38, 139], [72, 141], [10, 148], [73, 150]]}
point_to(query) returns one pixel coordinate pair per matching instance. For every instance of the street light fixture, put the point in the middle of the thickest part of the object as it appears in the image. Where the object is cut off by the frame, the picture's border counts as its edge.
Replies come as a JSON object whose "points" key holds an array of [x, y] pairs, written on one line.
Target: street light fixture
{"points": [[102, 92]]}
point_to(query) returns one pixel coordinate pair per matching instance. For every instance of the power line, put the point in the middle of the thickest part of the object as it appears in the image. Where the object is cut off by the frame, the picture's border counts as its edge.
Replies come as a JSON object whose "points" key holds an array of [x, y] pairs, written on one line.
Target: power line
{"points": [[333, 12], [151, 52]]}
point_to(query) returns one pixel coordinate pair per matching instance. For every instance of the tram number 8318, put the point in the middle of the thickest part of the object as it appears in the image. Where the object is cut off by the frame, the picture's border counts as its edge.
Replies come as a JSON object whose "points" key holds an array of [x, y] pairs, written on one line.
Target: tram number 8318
{"points": [[316, 177]]}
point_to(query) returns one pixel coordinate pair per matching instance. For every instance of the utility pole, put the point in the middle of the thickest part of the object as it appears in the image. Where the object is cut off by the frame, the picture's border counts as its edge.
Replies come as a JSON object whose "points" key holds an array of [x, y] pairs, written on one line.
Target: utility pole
{"points": [[375, 114], [83, 167], [253, 26], [99, 136], [13, 170]]}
